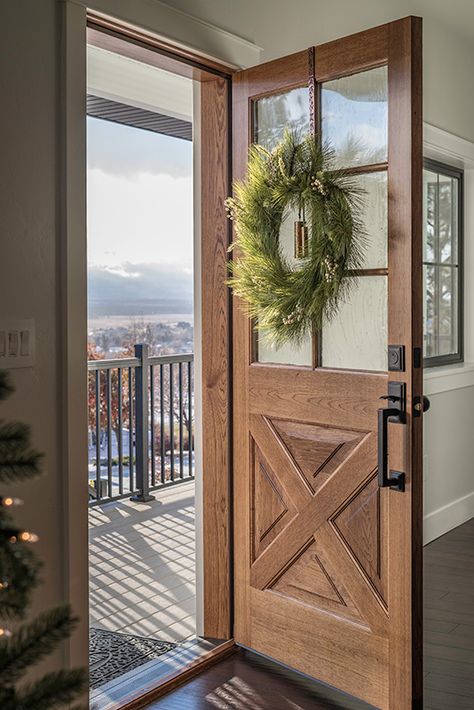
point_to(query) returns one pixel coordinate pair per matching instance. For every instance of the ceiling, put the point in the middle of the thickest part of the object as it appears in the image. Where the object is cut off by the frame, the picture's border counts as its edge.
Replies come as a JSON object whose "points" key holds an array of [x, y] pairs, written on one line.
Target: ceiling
{"points": [[458, 15]]}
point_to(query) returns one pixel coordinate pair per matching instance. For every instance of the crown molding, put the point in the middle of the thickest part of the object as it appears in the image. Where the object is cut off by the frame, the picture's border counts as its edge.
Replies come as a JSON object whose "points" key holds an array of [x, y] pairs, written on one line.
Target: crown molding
{"points": [[180, 28], [438, 141]]}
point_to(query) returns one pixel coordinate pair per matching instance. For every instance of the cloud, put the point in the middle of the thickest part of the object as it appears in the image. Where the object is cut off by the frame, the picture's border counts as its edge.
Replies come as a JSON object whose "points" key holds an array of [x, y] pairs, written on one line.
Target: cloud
{"points": [[139, 288], [146, 219], [140, 281], [128, 151]]}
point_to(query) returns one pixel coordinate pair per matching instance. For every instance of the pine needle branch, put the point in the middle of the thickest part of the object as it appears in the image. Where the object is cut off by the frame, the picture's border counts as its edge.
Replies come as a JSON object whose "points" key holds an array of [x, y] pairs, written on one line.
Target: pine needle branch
{"points": [[17, 460], [33, 641], [54, 690], [5, 387]]}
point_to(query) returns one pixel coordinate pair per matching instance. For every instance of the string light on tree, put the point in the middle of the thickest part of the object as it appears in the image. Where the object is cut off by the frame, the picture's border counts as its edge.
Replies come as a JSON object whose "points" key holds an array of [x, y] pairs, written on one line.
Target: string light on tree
{"points": [[9, 502], [23, 536]]}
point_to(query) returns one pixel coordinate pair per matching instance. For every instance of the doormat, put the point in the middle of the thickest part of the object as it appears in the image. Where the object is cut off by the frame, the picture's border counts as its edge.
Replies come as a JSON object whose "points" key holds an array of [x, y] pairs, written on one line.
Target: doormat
{"points": [[112, 654]]}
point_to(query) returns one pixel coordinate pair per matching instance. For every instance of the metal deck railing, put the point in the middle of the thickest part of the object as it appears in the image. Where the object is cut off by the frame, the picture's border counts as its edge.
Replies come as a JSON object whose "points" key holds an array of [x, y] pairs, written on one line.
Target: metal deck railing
{"points": [[141, 425]]}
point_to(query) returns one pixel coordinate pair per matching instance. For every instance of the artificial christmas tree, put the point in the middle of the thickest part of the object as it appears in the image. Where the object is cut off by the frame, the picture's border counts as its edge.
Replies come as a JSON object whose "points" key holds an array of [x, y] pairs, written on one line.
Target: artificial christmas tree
{"points": [[23, 645]]}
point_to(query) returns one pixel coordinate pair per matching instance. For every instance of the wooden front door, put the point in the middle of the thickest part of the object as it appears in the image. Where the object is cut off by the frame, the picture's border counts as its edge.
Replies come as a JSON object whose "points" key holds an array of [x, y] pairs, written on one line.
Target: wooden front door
{"points": [[327, 562]]}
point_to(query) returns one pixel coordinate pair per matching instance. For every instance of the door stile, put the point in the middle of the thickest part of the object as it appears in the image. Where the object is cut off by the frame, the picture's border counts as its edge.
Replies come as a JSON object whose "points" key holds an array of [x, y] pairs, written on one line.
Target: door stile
{"points": [[405, 326], [241, 443], [265, 79]]}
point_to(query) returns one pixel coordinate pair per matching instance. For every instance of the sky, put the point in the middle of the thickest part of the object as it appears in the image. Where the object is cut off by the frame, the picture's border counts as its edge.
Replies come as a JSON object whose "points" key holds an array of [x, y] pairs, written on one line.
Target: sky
{"points": [[140, 211]]}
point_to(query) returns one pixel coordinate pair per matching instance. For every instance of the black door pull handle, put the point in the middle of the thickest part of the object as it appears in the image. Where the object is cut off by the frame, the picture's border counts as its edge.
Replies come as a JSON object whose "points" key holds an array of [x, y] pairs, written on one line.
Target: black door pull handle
{"points": [[396, 413]]}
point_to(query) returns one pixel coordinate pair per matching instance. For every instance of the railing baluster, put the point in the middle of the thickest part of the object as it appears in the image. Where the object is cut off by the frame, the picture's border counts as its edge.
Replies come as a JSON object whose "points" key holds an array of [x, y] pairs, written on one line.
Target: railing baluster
{"points": [[97, 437], [108, 394], [180, 396], [190, 419], [142, 425], [162, 426], [120, 428], [130, 430], [152, 424], [171, 420]]}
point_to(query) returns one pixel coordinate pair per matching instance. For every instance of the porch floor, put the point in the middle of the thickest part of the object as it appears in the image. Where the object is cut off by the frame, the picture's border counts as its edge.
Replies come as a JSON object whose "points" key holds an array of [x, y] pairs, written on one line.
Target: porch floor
{"points": [[142, 565]]}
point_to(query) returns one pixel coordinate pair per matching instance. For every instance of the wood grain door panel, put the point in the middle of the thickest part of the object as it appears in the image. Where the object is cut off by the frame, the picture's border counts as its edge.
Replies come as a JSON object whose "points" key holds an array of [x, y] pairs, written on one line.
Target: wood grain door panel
{"points": [[326, 561], [312, 553]]}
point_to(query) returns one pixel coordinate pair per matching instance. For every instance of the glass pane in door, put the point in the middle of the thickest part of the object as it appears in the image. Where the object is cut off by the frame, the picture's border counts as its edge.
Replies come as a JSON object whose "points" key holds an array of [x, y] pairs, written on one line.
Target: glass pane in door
{"points": [[354, 117], [271, 116], [357, 337], [354, 121], [374, 218]]}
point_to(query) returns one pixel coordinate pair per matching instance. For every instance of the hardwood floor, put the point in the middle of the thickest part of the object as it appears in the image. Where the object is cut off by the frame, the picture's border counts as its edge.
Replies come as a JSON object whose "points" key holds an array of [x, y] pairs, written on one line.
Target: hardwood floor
{"points": [[246, 682], [449, 620]]}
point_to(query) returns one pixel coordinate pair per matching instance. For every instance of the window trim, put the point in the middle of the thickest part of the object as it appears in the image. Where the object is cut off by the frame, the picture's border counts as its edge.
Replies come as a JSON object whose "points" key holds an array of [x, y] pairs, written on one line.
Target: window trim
{"points": [[457, 173]]}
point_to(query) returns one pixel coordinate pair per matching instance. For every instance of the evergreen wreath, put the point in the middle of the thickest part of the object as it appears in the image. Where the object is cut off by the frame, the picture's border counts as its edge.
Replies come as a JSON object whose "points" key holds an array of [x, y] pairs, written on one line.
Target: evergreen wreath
{"points": [[290, 300]]}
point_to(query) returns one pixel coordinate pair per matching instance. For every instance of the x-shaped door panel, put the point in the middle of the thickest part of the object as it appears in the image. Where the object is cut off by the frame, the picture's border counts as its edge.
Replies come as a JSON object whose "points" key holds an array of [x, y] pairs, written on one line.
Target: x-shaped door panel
{"points": [[325, 548]]}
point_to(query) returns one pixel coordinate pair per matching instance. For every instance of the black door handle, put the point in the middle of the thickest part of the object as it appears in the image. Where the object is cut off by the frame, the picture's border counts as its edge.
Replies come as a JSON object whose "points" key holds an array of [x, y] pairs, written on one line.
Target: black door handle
{"points": [[395, 413], [386, 478]]}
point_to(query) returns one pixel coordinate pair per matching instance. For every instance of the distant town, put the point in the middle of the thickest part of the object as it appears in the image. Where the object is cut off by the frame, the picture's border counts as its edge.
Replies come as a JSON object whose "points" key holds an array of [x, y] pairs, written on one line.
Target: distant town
{"points": [[115, 336]]}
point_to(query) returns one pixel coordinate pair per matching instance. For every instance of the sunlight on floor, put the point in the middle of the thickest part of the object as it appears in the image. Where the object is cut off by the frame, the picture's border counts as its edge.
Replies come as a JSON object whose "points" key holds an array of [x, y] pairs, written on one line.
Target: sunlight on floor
{"points": [[142, 566]]}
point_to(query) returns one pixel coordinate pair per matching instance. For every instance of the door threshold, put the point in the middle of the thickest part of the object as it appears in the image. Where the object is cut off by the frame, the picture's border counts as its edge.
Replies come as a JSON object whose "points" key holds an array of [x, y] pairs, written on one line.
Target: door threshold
{"points": [[151, 680]]}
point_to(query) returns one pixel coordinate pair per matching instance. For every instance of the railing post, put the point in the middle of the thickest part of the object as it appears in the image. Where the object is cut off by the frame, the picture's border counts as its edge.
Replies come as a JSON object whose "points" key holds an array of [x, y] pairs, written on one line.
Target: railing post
{"points": [[142, 425]]}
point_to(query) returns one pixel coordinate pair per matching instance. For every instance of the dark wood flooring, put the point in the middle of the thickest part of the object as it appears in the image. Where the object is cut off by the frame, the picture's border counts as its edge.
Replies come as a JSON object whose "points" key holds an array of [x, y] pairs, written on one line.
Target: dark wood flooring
{"points": [[245, 681], [449, 620]]}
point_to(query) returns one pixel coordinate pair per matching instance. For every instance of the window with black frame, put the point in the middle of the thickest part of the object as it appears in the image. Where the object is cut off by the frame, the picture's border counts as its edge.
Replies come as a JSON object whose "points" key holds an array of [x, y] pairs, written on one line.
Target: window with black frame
{"points": [[442, 263]]}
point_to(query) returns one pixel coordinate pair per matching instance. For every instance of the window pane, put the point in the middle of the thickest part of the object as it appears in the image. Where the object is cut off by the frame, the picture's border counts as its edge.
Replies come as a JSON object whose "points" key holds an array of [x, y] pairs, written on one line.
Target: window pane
{"points": [[447, 196], [447, 309], [441, 256], [430, 194], [354, 117], [357, 337], [430, 329], [441, 311], [272, 115], [374, 217]]}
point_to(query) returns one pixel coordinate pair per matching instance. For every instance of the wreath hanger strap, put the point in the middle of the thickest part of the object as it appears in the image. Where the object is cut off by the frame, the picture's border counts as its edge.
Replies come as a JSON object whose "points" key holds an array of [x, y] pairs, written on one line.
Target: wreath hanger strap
{"points": [[313, 110]]}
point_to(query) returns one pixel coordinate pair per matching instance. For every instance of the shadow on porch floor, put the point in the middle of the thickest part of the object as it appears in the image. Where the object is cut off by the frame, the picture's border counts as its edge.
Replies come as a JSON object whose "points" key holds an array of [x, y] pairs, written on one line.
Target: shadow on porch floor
{"points": [[142, 566]]}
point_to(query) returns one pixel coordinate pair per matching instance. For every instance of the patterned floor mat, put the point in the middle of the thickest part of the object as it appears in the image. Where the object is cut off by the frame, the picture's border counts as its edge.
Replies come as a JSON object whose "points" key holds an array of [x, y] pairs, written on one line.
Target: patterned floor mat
{"points": [[113, 654]]}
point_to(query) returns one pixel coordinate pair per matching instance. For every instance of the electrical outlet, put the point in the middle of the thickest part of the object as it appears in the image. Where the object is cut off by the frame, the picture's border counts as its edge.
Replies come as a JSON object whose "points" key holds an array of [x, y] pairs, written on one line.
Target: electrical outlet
{"points": [[17, 344]]}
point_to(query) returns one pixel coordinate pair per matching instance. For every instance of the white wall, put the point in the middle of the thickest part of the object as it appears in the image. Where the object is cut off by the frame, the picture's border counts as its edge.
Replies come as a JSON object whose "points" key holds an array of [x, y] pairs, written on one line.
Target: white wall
{"points": [[29, 248], [449, 435], [449, 455], [32, 188]]}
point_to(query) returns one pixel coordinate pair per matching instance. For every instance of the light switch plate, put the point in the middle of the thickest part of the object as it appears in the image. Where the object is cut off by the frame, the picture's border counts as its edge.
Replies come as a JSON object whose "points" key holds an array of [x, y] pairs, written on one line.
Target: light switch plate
{"points": [[17, 343]]}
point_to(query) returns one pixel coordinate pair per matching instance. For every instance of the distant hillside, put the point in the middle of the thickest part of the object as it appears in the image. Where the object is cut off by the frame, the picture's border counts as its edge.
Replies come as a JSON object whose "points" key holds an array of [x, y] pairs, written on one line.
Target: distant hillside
{"points": [[139, 289]]}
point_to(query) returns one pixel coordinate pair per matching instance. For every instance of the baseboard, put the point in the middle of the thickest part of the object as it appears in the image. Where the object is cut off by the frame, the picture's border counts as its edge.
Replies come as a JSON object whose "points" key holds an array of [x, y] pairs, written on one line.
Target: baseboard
{"points": [[448, 517]]}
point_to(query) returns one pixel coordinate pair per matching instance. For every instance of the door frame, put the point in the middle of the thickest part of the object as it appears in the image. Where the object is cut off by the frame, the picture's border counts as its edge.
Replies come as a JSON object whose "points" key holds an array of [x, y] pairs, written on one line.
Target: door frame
{"points": [[212, 233], [214, 76]]}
